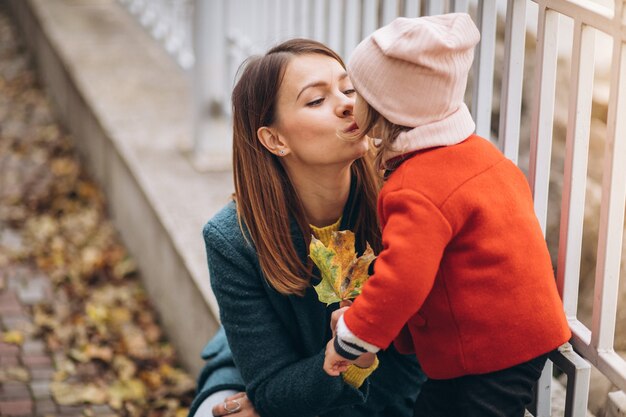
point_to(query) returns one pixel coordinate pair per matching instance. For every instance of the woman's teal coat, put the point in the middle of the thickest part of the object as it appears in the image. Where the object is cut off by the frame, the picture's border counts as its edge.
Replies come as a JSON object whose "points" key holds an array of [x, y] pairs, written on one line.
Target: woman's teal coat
{"points": [[278, 341]]}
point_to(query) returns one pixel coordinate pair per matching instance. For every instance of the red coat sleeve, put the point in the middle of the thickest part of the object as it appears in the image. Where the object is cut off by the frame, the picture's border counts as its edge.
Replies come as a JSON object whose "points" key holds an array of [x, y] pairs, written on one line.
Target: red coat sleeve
{"points": [[415, 234]]}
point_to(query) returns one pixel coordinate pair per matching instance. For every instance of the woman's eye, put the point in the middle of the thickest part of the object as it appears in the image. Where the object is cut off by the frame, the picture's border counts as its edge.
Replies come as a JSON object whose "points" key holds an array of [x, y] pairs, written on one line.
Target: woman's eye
{"points": [[315, 102], [349, 91]]}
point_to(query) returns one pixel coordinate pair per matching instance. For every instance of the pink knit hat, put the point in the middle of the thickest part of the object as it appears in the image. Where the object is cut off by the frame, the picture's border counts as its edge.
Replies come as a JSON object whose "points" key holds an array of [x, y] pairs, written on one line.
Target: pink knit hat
{"points": [[414, 73]]}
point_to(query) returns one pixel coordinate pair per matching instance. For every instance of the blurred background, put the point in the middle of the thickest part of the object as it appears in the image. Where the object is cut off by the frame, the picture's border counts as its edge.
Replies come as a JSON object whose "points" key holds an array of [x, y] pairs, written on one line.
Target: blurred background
{"points": [[115, 149]]}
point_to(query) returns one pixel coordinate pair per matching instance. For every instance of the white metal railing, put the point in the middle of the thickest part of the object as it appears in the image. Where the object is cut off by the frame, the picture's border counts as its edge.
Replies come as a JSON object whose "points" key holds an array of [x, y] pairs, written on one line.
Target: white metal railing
{"points": [[225, 32], [595, 344], [168, 21], [251, 26]]}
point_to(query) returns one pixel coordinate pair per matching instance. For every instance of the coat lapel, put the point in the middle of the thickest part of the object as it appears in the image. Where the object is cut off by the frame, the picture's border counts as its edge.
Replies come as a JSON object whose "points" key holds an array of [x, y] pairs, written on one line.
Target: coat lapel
{"points": [[309, 321], [309, 313]]}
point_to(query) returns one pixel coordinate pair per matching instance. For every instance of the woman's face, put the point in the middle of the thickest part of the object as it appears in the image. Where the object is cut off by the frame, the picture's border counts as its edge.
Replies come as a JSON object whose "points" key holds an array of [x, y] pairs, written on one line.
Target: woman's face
{"points": [[315, 103]]}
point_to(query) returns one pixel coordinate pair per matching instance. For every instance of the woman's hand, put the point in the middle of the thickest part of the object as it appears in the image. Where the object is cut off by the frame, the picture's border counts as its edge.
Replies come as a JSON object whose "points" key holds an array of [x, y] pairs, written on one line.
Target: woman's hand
{"points": [[238, 405]]}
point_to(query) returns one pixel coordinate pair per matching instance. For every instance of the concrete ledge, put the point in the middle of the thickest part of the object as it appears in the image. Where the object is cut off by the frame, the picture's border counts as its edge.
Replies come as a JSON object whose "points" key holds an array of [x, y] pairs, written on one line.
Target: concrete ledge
{"points": [[127, 105]]}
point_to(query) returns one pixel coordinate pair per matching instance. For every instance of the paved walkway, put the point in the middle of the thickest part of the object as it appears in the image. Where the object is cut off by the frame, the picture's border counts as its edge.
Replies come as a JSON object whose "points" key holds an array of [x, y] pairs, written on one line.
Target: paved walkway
{"points": [[27, 369], [78, 336]]}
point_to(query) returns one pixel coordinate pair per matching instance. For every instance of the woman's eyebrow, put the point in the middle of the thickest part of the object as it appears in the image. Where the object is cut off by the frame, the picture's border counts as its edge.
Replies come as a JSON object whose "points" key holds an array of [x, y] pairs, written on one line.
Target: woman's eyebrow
{"points": [[320, 83]]}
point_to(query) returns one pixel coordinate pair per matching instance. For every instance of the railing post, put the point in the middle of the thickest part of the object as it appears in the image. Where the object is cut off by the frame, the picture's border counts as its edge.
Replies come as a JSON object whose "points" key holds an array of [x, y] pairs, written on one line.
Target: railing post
{"points": [[578, 373], [209, 86], [613, 198], [512, 79], [543, 111], [483, 67]]}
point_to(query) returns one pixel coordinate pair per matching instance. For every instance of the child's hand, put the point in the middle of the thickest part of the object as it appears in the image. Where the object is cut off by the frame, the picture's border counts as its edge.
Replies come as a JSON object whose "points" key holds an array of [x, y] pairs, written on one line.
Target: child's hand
{"points": [[334, 318], [334, 364]]}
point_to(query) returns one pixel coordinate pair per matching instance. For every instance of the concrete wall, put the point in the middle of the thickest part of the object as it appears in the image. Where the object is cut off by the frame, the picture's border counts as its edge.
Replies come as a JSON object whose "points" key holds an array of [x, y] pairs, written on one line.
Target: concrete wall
{"points": [[126, 104]]}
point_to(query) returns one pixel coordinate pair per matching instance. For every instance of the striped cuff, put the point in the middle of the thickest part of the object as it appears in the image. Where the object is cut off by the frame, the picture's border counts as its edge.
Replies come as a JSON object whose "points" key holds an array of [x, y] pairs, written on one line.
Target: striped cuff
{"points": [[346, 339], [356, 376], [348, 350]]}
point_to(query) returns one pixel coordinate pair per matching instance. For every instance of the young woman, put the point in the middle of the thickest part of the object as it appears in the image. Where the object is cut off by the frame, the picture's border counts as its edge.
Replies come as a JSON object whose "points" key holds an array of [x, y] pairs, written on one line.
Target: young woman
{"points": [[294, 176]]}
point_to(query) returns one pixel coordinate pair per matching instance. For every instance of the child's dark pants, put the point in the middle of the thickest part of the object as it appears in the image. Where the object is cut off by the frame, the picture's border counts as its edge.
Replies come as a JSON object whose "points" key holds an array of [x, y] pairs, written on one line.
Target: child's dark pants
{"points": [[504, 393]]}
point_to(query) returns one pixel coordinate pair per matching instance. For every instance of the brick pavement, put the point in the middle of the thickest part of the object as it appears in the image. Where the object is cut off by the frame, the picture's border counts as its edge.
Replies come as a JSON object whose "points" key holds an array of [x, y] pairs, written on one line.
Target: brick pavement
{"points": [[27, 369]]}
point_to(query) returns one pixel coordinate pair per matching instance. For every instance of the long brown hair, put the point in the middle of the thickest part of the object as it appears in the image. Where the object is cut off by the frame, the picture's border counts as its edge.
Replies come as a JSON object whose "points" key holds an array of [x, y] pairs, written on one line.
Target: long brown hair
{"points": [[266, 199]]}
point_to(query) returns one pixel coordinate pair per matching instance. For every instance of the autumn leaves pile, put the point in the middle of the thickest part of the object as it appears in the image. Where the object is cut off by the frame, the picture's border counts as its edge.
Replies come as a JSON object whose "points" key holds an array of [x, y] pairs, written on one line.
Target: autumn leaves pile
{"points": [[98, 323]]}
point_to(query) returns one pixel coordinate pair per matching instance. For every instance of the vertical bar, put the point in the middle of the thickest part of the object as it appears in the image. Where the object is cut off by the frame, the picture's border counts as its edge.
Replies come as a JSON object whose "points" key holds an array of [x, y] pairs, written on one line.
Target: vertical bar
{"points": [[613, 196], [483, 67], [148, 15], [462, 6], [540, 150], [335, 26], [279, 22], [289, 18], [575, 175], [390, 11], [268, 19], [185, 55], [543, 397], [319, 21], [370, 17], [173, 39], [543, 111], [209, 76], [577, 393], [411, 8], [352, 26], [512, 79], [161, 25], [578, 373], [256, 25], [305, 12], [433, 7], [136, 6]]}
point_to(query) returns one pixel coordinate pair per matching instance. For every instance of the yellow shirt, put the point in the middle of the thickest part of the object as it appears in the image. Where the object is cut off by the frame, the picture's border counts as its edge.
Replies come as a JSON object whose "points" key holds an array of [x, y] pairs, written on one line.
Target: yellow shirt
{"points": [[354, 376]]}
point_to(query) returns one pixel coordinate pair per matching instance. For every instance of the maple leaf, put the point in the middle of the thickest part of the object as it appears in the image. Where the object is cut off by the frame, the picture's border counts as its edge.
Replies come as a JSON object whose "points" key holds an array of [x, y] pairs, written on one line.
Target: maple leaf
{"points": [[343, 273]]}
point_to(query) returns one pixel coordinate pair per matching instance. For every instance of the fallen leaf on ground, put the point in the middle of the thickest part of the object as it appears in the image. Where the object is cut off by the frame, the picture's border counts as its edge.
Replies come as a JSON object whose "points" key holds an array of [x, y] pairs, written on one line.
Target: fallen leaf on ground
{"points": [[14, 337]]}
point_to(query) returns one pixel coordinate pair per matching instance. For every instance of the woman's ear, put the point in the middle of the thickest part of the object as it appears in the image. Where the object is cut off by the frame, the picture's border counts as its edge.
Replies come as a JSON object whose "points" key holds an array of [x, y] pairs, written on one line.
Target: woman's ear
{"points": [[271, 141]]}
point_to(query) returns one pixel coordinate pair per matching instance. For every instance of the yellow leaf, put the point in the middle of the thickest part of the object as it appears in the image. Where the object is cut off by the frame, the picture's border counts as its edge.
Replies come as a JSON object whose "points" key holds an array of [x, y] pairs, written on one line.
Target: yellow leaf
{"points": [[120, 315], [104, 353], [97, 313], [124, 268], [343, 274], [74, 394], [120, 391], [125, 368], [152, 379], [13, 337], [14, 373]]}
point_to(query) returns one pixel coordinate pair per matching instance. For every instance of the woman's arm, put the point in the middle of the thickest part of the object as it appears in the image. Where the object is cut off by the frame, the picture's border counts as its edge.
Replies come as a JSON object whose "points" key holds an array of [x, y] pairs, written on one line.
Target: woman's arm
{"points": [[219, 375], [279, 381]]}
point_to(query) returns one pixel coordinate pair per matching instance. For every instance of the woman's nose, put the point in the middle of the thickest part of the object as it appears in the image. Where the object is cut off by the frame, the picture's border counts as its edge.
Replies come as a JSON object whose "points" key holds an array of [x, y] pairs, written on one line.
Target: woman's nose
{"points": [[346, 107]]}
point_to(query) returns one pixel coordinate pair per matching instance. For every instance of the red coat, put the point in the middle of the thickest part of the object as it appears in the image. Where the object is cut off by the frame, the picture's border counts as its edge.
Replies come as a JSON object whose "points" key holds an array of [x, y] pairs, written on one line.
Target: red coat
{"points": [[464, 265]]}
